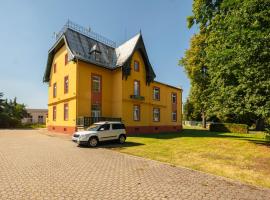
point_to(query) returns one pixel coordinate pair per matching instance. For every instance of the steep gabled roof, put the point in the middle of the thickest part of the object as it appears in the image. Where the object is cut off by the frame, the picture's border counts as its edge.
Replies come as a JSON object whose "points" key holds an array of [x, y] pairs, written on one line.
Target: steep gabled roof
{"points": [[81, 46], [124, 51], [124, 54]]}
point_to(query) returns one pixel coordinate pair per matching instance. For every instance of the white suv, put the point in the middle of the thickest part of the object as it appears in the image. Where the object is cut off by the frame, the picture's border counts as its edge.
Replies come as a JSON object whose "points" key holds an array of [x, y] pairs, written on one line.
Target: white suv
{"points": [[101, 131]]}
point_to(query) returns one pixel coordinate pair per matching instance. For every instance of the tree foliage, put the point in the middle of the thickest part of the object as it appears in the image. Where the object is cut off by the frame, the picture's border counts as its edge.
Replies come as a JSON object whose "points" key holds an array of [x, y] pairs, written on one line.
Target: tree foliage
{"points": [[191, 111], [203, 12], [11, 112], [238, 58], [234, 45], [194, 63]]}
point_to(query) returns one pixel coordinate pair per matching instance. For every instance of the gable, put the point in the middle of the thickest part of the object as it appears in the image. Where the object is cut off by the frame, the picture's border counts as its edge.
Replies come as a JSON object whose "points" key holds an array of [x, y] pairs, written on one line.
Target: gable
{"points": [[124, 55]]}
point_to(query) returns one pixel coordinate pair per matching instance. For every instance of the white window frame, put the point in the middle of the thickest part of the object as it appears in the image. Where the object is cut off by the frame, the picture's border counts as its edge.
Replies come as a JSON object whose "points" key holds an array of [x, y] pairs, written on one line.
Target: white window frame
{"points": [[136, 88], [174, 113], [96, 112], [156, 114], [96, 80], [156, 91], [174, 96], [136, 112]]}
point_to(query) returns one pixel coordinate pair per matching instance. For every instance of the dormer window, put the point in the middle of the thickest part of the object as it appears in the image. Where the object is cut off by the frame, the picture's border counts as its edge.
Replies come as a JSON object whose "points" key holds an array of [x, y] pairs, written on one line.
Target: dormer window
{"points": [[97, 56], [95, 51]]}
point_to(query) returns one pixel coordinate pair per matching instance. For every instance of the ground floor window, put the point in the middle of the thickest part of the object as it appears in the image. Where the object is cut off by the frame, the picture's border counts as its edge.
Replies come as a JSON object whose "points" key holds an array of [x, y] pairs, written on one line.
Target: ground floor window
{"points": [[66, 111], [156, 114], [54, 113], [174, 116], [136, 112], [95, 110]]}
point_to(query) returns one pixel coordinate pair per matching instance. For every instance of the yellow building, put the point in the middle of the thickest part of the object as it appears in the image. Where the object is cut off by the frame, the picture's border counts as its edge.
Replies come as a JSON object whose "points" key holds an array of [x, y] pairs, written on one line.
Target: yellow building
{"points": [[90, 79]]}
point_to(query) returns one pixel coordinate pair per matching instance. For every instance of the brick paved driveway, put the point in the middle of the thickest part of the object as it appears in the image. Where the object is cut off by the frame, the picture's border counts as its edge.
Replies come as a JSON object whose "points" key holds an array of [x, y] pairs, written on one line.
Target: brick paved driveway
{"points": [[38, 166]]}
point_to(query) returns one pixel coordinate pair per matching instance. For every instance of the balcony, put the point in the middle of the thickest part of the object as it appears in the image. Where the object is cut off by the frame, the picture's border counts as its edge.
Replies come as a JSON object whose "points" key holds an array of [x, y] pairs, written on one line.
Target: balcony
{"points": [[84, 122], [137, 97]]}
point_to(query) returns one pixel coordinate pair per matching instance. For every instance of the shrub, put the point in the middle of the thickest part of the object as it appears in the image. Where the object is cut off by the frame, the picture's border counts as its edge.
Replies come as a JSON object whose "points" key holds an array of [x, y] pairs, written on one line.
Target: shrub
{"points": [[228, 127], [8, 122]]}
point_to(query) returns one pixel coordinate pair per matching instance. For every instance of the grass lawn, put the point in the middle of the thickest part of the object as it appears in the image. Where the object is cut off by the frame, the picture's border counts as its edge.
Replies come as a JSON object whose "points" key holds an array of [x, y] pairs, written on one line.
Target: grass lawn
{"points": [[244, 157]]}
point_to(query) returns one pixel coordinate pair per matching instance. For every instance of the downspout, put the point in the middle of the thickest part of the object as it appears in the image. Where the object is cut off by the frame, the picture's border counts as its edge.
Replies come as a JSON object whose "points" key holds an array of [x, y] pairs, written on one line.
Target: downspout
{"points": [[77, 78]]}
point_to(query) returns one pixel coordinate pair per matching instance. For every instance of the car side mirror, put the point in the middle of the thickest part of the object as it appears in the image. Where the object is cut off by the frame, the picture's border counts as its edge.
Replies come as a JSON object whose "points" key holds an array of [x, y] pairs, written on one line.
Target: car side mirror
{"points": [[102, 129]]}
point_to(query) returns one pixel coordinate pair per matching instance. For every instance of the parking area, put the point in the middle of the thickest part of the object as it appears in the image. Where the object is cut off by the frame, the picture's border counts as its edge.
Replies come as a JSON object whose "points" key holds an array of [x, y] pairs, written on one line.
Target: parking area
{"points": [[38, 165]]}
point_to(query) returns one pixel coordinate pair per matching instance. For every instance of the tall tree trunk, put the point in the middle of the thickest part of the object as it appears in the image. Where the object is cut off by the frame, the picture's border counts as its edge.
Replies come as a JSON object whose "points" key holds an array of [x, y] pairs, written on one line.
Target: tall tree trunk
{"points": [[260, 124], [203, 119]]}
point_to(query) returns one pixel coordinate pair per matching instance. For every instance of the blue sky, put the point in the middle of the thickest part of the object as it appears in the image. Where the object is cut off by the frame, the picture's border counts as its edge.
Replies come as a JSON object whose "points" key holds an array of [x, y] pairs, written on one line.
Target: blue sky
{"points": [[27, 34]]}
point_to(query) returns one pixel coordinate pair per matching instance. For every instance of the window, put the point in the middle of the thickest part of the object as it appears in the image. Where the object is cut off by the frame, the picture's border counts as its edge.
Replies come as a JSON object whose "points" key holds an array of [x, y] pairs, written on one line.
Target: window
{"points": [[174, 98], [118, 126], [54, 113], [174, 116], [66, 84], [137, 88], [136, 66], [95, 110], [54, 90], [40, 119], [66, 111], [66, 59], [97, 55], [156, 93], [156, 114], [105, 127], [136, 112], [96, 82], [54, 68]]}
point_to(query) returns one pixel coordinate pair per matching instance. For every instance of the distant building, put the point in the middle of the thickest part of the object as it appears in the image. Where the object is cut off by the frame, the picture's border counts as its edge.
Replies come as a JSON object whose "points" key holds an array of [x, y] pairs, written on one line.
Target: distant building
{"points": [[35, 116], [90, 79]]}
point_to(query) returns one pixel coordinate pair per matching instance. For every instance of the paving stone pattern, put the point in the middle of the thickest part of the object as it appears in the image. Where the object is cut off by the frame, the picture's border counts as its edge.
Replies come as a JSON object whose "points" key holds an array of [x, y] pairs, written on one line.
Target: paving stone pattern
{"points": [[34, 165]]}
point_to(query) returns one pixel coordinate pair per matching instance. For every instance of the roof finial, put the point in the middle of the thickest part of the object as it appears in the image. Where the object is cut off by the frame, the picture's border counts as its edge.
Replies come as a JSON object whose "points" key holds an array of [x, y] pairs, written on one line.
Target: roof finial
{"points": [[140, 31]]}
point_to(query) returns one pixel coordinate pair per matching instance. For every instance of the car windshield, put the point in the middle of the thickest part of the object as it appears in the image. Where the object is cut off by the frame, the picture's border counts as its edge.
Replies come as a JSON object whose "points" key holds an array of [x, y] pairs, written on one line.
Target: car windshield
{"points": [[93, 127]]}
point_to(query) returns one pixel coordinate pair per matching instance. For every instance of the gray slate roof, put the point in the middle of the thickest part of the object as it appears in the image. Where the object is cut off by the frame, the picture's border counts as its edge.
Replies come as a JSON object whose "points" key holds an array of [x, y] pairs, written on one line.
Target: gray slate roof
{"points": [[81, 47]]}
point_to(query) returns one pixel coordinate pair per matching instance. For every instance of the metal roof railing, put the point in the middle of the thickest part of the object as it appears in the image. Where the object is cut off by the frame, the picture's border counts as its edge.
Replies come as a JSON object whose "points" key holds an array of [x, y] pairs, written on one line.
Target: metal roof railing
{"points": [[87, 32]]}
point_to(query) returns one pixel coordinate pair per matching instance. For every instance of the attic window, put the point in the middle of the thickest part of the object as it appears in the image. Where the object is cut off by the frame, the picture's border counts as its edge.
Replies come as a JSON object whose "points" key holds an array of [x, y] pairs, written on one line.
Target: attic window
{"points": [[97, 56], [95, 51]]}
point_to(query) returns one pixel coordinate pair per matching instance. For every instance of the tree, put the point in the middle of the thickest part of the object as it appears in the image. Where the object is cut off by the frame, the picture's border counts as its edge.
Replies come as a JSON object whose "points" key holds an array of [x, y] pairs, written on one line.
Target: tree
{"points": [[195, 66], [1, 102], [238, 60], [191, 112], [11, 112], [194, 61], [233, 47], [203, 12]]}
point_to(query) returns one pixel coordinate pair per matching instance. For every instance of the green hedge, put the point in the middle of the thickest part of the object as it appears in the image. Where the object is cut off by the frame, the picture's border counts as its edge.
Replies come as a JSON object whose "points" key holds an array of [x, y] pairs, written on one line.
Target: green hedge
{"points": [[228, 127]]}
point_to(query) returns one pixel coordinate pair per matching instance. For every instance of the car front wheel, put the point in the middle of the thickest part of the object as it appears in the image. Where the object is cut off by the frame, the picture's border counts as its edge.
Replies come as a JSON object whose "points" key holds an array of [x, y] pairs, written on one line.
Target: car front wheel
{"points": [[93, 142], [122, 139]]}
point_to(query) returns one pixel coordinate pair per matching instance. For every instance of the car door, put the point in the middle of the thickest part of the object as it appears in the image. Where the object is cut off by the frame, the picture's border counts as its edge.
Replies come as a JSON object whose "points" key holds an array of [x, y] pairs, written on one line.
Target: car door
{"points": [[117, 130], [104, 132]]}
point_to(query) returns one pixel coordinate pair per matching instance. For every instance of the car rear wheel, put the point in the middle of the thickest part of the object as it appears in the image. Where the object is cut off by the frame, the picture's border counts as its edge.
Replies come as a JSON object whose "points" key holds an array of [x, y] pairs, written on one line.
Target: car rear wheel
{"points": [[93, 142], [122, 139]]}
